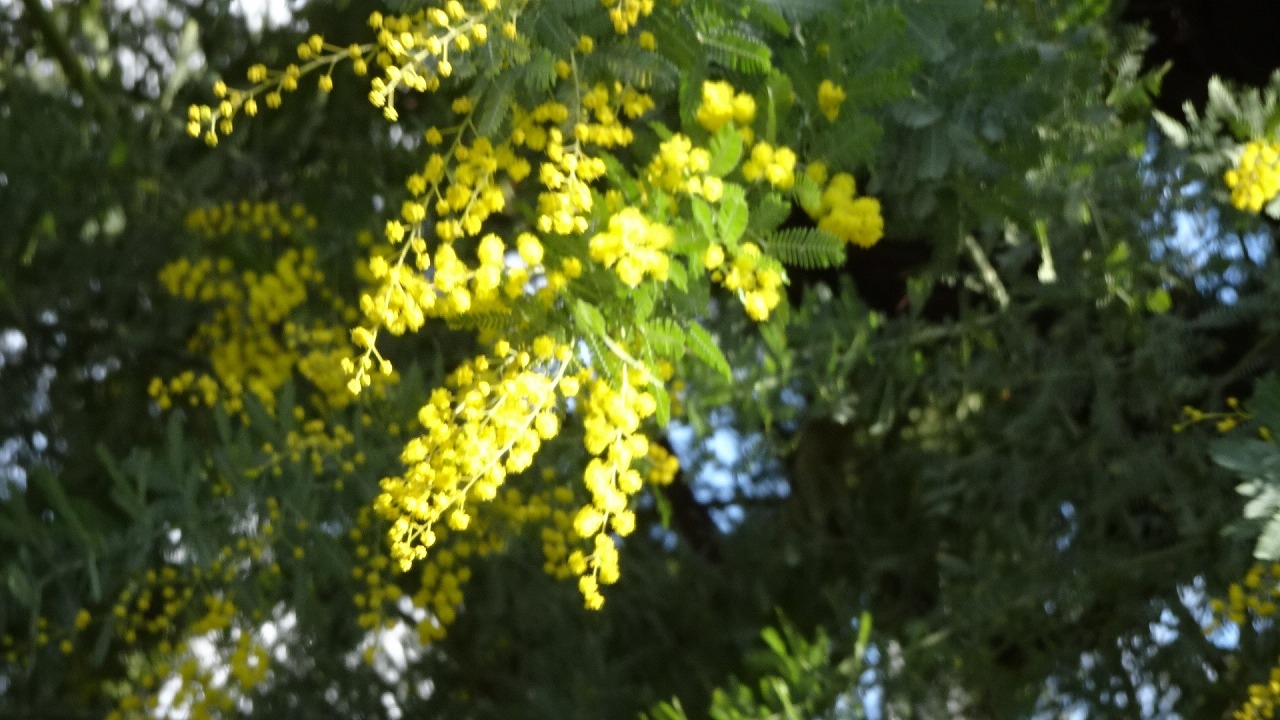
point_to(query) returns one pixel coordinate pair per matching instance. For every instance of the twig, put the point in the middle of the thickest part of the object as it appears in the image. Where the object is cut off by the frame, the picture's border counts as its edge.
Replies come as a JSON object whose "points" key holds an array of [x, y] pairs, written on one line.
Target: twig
{"points": [[77, 76], [989, 275]]}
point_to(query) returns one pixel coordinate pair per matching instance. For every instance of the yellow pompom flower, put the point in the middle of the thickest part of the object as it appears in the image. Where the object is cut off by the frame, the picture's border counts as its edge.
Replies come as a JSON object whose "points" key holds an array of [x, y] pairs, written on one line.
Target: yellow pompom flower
{"points": [[830, 98], [634, 247], [716, 109], [854, 220], [1255, 179]]}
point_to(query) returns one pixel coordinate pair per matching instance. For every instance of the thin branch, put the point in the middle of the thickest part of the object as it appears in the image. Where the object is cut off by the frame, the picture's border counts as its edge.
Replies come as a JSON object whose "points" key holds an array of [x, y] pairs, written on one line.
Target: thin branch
{"points": [[989, 275], [72, 68]]}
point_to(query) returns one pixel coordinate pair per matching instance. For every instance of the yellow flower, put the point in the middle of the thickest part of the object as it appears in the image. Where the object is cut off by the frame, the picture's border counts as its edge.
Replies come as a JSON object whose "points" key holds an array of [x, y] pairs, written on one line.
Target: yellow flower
{"points": [[830, 98], [530, 249], [714, 257], [1255, 179], [634, 247], [717, 106]]}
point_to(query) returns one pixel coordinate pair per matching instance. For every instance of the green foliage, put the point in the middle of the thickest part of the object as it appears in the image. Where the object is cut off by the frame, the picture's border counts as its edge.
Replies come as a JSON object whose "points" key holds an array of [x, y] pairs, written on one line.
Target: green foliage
{"points": [[806, 247], [800, 679]]}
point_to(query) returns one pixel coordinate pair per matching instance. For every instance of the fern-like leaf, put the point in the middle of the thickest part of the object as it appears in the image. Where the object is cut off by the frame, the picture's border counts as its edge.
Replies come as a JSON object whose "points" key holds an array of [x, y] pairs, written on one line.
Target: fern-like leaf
{"points": [[737, 50], [664, 337], [540, 72], [640, 69], [482, 321], [704, 347], [806, 247], [602, 358], [728, 41]]}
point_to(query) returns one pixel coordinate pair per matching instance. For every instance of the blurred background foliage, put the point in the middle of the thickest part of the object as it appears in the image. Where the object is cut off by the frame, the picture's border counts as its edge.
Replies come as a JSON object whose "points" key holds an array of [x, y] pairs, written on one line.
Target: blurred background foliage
{"points": [[948, 485]]}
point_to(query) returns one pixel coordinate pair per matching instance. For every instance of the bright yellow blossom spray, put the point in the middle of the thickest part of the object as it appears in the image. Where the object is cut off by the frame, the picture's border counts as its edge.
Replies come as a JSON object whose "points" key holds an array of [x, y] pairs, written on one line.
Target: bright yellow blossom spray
{"points": [[584, 256]]}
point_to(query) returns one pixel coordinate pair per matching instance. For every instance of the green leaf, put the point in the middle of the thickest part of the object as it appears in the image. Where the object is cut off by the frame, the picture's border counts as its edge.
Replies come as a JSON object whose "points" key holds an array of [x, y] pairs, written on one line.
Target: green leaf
{"points": [[1266, 405], [587, 318], [1118, 255], [776, 98], [1268, 547], [770, 212], [663, 505], [19, 585], [665, 337], [774, 641], [1172, 129], [1221, 99], [51, 488], [808, 194], [606, 362], [731, 221], [1159, 302], [662, 131], [806, 247], [916, 113], [539, 74], [496, 104], [702, 216], [643, 300], [704, 347], [678, 275], [662, 413], [726, 151], [1249, 458], [737, 50]]}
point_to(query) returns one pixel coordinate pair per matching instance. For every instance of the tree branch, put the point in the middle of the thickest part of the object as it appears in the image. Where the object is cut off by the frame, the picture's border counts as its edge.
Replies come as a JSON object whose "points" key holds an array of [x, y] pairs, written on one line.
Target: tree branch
{"points": [[72, 68]]}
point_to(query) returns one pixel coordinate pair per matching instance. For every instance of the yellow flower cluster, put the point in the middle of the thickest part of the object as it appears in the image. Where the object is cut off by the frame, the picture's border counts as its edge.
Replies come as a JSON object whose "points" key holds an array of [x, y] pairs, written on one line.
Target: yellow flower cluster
{"points": [[721, 104], [830, 98], [607, 105], [634, 246], [380, 601], [552, 508], [254, 338], [756, 280], [626, 13], [406, 296], [313, 443], [855, 220], [163, 606], [209, 122], [1224, 422], [469, 194], [414, 51], [203, 689], [1256, 597], [489, 426], [64, 634], [569, 169], [563, 206], [418, 49], [1255, 179], [1264, 699], [462, 188], [681, 167], [611, 421], [775, 165], [663, 466]]}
